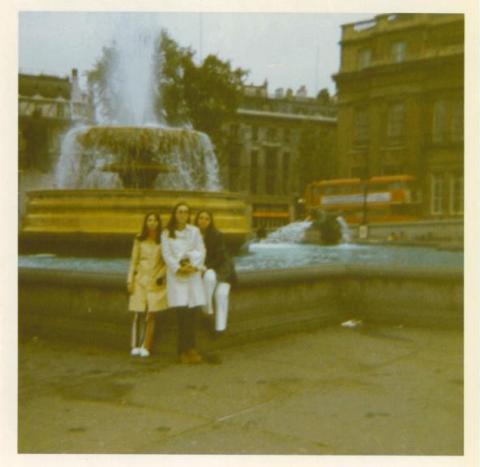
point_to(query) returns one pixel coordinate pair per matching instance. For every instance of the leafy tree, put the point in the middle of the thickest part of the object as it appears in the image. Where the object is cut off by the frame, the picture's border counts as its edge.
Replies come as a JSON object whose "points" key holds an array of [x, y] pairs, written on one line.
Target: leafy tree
{"points": [[172, 64], [323, 97], [213, 92]]}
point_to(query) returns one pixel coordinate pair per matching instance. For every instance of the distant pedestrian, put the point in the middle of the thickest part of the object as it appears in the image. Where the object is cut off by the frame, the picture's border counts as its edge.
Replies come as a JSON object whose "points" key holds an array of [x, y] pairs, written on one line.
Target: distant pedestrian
{"points": [[184, 254], [219, 273], [146, 284]]}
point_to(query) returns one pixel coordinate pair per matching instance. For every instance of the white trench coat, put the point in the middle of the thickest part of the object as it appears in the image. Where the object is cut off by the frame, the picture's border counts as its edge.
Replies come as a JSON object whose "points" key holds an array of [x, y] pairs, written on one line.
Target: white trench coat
{"points": [[184, 290]]}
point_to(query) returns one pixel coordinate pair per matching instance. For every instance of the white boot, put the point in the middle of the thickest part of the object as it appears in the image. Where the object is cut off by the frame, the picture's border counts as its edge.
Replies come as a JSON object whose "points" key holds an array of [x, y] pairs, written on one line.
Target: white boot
{"points": [[221, 305], [209, 284]]}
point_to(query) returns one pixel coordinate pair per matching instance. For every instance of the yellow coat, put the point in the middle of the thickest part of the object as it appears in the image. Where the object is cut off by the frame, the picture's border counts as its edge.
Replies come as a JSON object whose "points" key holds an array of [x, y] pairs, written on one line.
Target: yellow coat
{"points": [[146, 266]]}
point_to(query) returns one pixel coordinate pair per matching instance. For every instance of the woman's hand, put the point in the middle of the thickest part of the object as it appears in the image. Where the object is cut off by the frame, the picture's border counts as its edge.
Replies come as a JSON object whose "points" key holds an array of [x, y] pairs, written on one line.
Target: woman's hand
{"points": [[186, 269]]}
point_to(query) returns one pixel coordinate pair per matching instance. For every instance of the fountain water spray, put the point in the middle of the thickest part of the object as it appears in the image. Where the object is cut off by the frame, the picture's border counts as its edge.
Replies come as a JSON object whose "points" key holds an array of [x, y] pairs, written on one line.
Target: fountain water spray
{"points": [[291, 233], [131, 147], [295, 232]]}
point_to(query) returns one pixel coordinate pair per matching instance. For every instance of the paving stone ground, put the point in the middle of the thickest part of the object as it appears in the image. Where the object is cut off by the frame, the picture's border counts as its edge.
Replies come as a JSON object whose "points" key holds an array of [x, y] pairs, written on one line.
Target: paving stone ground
{"points": [[332, 391]]}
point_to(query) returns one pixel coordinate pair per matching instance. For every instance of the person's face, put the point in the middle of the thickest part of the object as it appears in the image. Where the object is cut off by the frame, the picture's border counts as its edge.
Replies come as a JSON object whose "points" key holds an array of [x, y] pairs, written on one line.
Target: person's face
{"points": [[203, 221], [152, 223], [181, 215]]}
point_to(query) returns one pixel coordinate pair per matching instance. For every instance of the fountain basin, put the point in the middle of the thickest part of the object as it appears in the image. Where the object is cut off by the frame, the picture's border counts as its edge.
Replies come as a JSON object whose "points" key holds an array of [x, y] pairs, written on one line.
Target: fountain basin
{"points": [[103, 222], [91, 308]]}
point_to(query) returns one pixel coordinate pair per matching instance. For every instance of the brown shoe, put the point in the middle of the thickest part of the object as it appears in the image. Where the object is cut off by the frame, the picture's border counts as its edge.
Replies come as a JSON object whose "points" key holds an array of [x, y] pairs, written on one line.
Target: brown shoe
{"points": [[194, 356]]}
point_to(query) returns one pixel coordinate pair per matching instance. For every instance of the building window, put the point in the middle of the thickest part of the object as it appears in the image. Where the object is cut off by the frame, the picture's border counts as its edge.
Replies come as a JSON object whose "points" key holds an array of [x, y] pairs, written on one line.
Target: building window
{"points": [[286, 171], [361, 126], [391, 170], [456, 194], [457, 121], [271, 134], [437, 193], [439, 121], [254, 133], [364, 58], [396, 121], [286, 135], [253, 171], [399, 50], [271, 172]]}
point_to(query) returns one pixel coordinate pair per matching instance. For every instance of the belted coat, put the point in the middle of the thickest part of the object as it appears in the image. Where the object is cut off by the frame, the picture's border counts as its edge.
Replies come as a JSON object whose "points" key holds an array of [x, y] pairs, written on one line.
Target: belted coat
{"points": [[184, 291]]}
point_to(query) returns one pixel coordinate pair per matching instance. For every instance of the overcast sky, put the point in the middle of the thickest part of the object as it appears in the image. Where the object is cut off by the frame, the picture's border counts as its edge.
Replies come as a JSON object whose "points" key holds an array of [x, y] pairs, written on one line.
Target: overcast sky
{"points": [[287, 49]]}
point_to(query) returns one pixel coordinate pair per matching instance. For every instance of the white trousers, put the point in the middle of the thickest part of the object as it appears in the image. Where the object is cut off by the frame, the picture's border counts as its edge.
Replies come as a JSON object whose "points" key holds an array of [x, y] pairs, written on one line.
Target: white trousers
{"points": [[217, 292]]}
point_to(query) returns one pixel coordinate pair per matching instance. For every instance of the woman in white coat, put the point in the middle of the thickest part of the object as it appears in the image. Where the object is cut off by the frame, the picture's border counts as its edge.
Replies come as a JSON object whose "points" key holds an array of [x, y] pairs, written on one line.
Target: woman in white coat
{"points": [[184, 254]]}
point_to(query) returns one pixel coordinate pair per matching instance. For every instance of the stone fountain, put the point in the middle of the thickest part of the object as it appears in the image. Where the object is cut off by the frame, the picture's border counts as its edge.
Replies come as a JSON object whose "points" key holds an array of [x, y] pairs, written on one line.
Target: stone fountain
{"points": [[109, 175]]}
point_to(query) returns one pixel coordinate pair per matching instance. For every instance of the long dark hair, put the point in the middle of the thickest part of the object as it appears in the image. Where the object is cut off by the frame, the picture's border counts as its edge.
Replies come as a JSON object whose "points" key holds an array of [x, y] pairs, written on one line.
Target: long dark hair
{"points": [[172, 222], [144, 233], [211, 227]]}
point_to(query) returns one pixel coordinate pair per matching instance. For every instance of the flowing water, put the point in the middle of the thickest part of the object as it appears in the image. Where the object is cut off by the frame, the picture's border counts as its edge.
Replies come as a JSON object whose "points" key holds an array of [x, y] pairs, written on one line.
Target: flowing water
{"points": [[291, 233], [261, 256], [295, 232]]}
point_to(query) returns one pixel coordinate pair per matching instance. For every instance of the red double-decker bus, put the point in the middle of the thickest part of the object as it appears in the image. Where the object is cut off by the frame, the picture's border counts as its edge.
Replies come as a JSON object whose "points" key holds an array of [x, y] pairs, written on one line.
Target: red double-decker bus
{"points": [[389, 198]]}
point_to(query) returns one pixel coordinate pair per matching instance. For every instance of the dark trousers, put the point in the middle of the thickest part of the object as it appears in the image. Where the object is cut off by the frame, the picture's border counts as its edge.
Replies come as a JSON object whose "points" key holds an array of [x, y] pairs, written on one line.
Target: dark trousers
{"points": [[186, 328]]}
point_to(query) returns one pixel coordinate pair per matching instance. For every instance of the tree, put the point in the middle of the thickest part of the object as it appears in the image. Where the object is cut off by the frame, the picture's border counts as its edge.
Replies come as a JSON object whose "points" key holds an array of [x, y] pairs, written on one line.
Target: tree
{"points": [[323, 97], [213, 92], [173, 68]]}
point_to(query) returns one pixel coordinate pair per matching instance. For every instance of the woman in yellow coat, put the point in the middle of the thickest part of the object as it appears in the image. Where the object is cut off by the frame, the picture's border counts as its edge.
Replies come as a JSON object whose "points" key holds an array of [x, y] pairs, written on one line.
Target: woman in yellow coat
{"points": [[146, 284]]}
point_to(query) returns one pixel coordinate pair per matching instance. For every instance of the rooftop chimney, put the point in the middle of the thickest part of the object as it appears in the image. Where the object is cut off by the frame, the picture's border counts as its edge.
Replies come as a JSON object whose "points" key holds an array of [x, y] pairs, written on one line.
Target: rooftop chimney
{"points": [[76, 93]]}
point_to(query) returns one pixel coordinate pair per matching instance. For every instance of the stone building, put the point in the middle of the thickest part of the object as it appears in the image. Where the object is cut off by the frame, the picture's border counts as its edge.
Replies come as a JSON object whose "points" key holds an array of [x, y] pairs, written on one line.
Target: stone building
{"points": [[47, 107], [276, 145], [400, 104]]}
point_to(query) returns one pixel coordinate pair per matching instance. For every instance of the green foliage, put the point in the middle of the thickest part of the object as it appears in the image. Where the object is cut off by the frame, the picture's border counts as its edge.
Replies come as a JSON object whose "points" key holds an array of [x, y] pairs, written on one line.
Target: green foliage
{"points": [[323, 97], [213, 92], [172, 65]]}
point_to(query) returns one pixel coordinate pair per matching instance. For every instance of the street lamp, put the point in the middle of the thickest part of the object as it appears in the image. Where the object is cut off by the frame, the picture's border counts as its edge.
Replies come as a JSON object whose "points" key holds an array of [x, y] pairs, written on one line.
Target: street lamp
{"points": [[363, 228]]}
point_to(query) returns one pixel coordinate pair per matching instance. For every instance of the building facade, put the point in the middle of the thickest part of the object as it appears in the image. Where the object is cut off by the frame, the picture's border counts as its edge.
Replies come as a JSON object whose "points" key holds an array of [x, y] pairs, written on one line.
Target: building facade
{"points": [[276, 145], [47, 107], [400, 105]]}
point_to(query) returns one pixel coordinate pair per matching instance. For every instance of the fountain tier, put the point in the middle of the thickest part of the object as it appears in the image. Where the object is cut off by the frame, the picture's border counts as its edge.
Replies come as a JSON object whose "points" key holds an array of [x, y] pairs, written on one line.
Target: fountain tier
{"points": [[104, 221], [133, 157]]}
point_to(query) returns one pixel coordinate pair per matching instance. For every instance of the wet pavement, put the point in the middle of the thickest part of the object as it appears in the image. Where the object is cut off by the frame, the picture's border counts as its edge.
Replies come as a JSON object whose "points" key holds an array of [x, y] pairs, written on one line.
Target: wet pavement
{"points": [[333, 391]]}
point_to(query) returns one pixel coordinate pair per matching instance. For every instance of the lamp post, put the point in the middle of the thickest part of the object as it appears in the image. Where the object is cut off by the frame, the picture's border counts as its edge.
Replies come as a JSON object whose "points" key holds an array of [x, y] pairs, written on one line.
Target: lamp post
{"points": [[363, 228]]}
